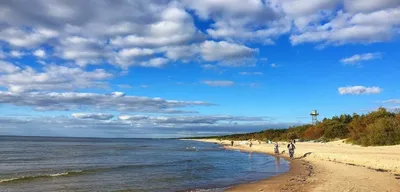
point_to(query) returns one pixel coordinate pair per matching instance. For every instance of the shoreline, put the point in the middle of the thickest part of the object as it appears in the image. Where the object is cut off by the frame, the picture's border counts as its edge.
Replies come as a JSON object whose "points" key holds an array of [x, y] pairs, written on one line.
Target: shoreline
{"points": [[334, 166], [295, 179]]}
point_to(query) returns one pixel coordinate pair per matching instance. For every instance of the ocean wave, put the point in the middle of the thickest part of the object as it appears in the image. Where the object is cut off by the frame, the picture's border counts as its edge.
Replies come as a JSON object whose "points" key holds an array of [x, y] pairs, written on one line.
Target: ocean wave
{"points": [[85, 171], [32, 177]]}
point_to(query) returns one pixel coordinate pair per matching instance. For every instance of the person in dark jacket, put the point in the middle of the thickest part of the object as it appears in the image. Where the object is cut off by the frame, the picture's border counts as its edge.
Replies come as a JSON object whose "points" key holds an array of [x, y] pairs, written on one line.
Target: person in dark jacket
{"points": [[291, 147]]}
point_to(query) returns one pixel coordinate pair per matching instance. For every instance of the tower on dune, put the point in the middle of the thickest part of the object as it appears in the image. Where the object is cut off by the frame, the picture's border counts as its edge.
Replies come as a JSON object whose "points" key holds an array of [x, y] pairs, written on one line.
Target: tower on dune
{"points": [[314, 114]]}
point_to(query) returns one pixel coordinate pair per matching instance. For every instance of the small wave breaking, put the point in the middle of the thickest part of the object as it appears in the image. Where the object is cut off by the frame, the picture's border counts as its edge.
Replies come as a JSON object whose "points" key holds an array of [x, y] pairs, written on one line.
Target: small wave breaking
{"points": [[32, 177], [87, 171]]}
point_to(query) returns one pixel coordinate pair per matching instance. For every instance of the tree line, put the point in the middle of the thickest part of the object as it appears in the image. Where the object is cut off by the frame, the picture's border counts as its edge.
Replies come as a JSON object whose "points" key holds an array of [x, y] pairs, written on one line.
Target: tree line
{"points": [[380, 127]]}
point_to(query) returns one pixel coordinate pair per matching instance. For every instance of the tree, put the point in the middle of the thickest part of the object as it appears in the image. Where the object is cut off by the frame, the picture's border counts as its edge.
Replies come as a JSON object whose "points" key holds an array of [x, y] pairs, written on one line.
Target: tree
{"points": [[385, 131], [336, 129]]}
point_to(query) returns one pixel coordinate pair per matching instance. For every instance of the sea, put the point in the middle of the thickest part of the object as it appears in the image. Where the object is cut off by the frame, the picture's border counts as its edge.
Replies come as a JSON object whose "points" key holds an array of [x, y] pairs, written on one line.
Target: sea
{"points": [[98, 164]]}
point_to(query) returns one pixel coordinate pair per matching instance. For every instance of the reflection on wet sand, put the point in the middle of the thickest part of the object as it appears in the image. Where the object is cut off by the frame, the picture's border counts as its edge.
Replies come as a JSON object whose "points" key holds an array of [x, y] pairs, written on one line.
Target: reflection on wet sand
{"points": [[277, 163]]}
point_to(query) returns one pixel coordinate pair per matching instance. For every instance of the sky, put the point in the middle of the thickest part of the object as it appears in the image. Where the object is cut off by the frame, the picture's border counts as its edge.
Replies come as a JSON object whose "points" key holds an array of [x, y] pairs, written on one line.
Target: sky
{"points": [[161, 68]]}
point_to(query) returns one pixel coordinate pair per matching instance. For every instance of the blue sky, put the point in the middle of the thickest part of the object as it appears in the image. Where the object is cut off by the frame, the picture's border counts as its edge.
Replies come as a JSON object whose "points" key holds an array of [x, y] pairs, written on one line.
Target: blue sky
{"points": [[186, 68]]}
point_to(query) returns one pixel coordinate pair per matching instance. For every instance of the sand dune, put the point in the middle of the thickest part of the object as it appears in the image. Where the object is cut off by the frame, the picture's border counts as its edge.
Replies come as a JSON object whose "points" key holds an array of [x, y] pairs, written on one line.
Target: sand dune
{"points": [[336, 166]]}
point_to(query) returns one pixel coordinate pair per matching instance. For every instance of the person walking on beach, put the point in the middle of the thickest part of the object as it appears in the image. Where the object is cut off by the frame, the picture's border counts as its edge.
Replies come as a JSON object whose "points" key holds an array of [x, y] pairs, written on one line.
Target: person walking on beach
{"points": [[276, 148], [291, 147], [251, 144], [232, 143]]}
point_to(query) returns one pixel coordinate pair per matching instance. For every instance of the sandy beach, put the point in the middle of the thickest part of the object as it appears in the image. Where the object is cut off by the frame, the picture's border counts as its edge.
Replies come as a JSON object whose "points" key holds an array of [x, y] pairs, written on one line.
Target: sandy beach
{"points": [[332, 166]]}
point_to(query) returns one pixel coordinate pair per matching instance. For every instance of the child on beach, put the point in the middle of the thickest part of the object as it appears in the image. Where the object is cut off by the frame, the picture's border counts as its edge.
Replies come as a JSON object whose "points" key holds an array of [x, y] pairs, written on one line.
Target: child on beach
{"points": [[276, 148], [291, 149], [232, 143]]}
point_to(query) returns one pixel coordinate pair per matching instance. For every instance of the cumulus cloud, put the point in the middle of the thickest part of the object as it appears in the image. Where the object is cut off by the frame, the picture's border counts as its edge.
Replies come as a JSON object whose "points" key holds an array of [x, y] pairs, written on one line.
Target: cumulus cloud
{"points": [[184, 53], [221, 83], [92, 32], [16, 54], [222, 50], [357, 58], [155, 62], [41, 53], [351, 27], [359, 90], [53, 77], [26, 39], [82, 50], [115, 101], [97, 116], [131, 56], [241, 21], [6, 67], [369, 5]]}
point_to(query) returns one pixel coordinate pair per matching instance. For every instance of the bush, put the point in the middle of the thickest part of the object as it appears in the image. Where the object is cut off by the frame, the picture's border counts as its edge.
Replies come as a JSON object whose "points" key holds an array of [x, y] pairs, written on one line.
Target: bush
{"points": [[385, 131], [335, 129], [314, 132]]}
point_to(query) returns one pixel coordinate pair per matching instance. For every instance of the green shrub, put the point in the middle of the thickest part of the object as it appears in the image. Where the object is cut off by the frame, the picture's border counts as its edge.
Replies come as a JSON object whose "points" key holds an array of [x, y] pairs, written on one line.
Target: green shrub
{"points": [[335, 129], [384, 131]]}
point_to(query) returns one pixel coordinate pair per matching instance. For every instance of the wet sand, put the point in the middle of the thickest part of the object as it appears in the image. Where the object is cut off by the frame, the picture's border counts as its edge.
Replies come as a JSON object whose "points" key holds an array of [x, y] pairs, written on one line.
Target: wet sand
{"points": [[333, 166]]}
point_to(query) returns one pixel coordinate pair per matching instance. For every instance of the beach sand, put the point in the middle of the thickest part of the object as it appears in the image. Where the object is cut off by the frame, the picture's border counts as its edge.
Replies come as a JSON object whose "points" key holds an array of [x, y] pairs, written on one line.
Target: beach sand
{"points": [[332, 166]]}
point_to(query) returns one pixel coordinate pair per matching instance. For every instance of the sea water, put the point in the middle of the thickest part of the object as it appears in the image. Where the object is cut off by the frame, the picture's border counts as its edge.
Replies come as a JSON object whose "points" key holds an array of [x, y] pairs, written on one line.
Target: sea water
{"points": [[95, 164]]}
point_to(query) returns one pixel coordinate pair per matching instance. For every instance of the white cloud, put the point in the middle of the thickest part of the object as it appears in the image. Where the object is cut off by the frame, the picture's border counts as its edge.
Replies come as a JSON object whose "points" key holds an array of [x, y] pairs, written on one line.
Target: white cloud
{"points": [[16, 54], [139, 57], [96, 116], [6, 67], [41, 53], [251, 73], [348, 27], [188, 119], [219, 83], [53, 77], [348, 34], [307, 7], [392, 101], [175, 27], [241, 21], [369, 5], [360, 57], [387, 17], [217, 51], [155, 62], [95, 33], [184, 53], [82, 50], [274, 65], [89, 33], [359, 90], [27, 39], [116, 101], [132, 117]]}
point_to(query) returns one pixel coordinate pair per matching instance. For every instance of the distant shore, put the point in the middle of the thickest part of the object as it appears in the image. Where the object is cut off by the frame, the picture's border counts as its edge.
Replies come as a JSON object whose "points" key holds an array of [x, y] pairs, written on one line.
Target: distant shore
{"points": [[333, 166]]}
